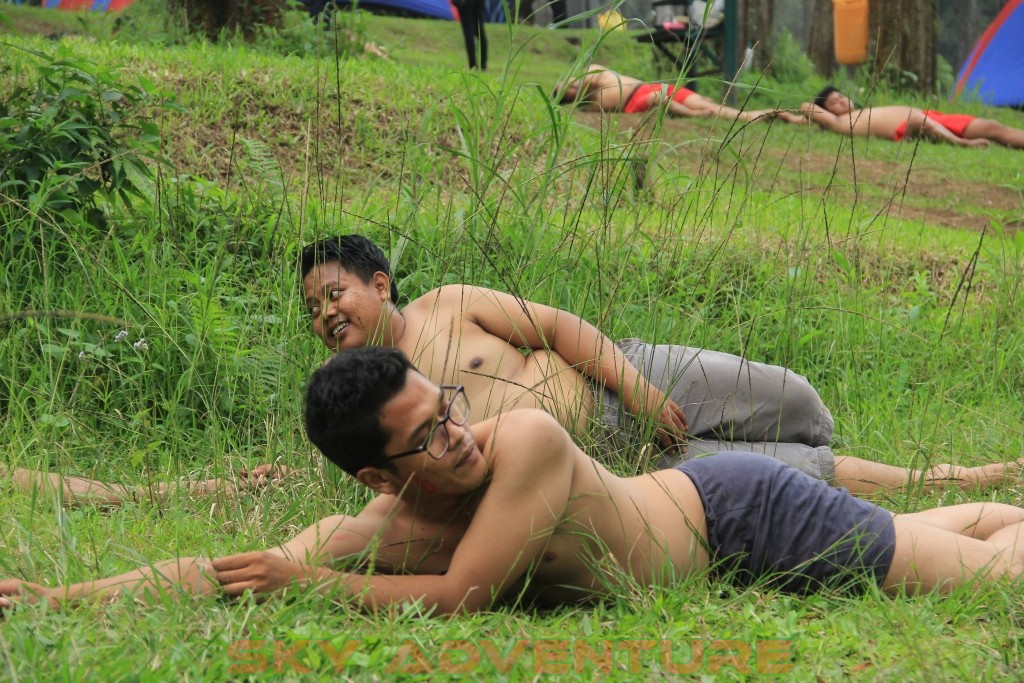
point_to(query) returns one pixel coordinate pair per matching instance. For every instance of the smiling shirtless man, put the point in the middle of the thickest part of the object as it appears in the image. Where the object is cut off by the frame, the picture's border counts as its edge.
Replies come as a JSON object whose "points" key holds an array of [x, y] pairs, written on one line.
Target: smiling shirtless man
{"points": [[512, 353], [832, 110], [465, 517]]}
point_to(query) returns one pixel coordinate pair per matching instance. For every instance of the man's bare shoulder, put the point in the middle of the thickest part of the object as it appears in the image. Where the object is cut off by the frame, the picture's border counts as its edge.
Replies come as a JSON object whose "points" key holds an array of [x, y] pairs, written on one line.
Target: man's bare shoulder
{"points": [[446, 295], [460, 298], [510, 435]]}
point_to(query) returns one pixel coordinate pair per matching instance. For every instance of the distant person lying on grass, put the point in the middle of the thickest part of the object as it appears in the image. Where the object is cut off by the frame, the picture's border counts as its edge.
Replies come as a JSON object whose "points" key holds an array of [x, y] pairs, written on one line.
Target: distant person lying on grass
{"points": [[512, 510], [603, 89], [833, 111]]}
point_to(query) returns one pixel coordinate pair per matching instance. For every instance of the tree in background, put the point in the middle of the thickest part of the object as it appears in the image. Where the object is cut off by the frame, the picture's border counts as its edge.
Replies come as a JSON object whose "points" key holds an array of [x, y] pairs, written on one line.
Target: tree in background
{"points": [[906, 42], [820, 47], [246, 16], [903, 36], [960, 23], [757, 25]]}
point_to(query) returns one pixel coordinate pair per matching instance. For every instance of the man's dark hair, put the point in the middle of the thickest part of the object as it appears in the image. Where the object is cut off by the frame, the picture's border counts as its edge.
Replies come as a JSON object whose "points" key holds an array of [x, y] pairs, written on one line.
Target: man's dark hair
{"points": [[820, 98], [354, 253], [343, 403]]}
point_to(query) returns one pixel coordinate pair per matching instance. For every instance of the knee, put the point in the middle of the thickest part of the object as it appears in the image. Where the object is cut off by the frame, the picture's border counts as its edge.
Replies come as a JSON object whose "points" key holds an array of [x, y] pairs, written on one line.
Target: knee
{"points": [[801, 399], [984, 128], [799, 394]]}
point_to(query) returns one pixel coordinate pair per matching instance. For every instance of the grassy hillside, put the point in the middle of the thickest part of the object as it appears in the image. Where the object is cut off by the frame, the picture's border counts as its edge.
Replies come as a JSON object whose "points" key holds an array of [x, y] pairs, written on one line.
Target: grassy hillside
{"points": [[888, 274]]}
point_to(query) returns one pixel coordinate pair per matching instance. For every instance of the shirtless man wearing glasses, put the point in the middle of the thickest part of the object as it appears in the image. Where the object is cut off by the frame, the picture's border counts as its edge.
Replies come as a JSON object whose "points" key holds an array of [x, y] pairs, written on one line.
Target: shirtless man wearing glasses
{"points": [[468, 516]]}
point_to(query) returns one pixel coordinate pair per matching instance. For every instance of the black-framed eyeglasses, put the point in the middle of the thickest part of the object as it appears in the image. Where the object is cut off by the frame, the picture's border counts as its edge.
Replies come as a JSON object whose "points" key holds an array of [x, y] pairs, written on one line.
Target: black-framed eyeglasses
{"points": [[436, 443]]}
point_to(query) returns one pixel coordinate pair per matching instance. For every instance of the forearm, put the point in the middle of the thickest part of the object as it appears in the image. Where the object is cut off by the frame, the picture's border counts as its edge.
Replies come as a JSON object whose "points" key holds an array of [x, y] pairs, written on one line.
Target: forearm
{"points": [[596, 356], [188, 574], [372, 592], [825, 119]]}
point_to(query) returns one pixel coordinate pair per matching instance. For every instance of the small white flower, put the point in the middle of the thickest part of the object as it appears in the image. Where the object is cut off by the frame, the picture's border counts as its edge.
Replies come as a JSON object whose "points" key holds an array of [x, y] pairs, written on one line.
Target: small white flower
{"points": [[141, 345], [81, 355], [121, 336]]}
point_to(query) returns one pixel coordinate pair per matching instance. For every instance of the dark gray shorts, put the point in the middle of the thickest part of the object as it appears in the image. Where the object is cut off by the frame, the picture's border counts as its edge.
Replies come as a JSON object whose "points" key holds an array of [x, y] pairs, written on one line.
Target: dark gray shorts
{"points": [[769, 521]]}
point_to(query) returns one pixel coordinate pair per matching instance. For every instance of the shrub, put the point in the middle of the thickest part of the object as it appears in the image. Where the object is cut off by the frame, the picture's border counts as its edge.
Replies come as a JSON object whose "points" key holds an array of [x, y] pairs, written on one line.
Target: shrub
{"points": [[72, 138]]}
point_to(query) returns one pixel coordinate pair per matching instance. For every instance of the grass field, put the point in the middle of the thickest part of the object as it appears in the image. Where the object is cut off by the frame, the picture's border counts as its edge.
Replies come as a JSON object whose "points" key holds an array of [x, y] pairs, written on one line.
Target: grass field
{"points": [[888, 274]]}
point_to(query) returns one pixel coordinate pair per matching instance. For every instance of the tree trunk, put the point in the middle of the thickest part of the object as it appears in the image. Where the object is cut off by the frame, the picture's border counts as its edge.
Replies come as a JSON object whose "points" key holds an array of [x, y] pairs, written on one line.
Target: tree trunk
{"points": [[213, 16], [906, 33], [821, 48], [973, 25], [757, 23]]}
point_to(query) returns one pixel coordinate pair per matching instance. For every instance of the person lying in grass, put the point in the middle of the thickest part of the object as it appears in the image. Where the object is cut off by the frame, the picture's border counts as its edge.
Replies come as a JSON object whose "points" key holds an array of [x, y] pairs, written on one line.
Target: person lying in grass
{"points": [[511, 353], [832, 110], [511, 509], [604, 89]]}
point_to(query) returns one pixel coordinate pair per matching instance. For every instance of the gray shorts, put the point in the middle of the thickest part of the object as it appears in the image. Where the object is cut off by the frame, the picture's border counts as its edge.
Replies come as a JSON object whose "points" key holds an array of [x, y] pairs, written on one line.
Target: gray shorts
{"points": [[770, 522], [731, 404]]}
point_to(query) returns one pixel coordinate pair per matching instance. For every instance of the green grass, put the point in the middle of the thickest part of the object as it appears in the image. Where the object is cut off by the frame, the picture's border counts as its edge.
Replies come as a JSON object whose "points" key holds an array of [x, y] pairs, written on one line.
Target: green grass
{"points": [[901, 304]]}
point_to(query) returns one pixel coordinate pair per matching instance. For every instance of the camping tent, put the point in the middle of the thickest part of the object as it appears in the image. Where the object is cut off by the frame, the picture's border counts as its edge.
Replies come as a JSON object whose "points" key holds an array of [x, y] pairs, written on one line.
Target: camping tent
{"points": [[431, 9], [94, 5], [995, 67]]}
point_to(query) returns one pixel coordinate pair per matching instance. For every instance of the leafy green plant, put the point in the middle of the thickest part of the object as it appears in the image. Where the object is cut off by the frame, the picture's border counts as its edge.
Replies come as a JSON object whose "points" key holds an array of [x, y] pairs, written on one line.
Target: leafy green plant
{"points": [[74, 138]]}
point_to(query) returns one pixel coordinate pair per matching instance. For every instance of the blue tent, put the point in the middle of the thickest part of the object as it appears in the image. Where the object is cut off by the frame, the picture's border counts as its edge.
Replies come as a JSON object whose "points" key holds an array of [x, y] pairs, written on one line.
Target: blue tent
{"points": [[995, 67], [431, 9]]}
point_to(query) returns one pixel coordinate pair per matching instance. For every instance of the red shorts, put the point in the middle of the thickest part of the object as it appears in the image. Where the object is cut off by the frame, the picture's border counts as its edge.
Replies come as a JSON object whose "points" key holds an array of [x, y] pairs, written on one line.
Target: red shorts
{"points": [[640, 100], [955, 123]]}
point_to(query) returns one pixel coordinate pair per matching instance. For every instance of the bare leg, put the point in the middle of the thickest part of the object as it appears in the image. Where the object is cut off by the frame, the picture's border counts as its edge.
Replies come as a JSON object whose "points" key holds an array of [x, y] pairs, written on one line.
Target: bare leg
{"points": [[945, 548], [81, 491], [698, 105], [865, 476], [919, 124], [996, 132], [977, 520]]}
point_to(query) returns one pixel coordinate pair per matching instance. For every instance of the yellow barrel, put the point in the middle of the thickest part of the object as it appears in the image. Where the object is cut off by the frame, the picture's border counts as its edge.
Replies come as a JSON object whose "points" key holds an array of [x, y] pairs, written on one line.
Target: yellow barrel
{"points": [[851, 30]]}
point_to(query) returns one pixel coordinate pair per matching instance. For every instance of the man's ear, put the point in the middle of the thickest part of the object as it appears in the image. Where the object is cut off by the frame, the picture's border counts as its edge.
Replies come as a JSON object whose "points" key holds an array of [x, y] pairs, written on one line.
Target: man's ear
{"points": [[382, 283], [379, 480]]}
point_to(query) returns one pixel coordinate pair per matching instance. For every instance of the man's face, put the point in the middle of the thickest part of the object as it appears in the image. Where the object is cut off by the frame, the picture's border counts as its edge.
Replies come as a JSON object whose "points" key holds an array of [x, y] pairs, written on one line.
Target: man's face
{"points": [[411, 417], [837, 103], [346, 312]]}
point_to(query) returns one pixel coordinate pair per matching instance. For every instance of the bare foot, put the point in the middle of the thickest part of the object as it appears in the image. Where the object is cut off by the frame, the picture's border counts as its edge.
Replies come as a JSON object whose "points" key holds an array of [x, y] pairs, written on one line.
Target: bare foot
{"points": [[981, 477], [974, 142]]}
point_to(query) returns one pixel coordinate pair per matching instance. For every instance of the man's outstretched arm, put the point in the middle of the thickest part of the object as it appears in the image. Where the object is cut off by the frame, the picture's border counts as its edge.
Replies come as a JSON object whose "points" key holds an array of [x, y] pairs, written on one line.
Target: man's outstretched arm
{"points": [[824, 118], [531, 325], [333, 537]]}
